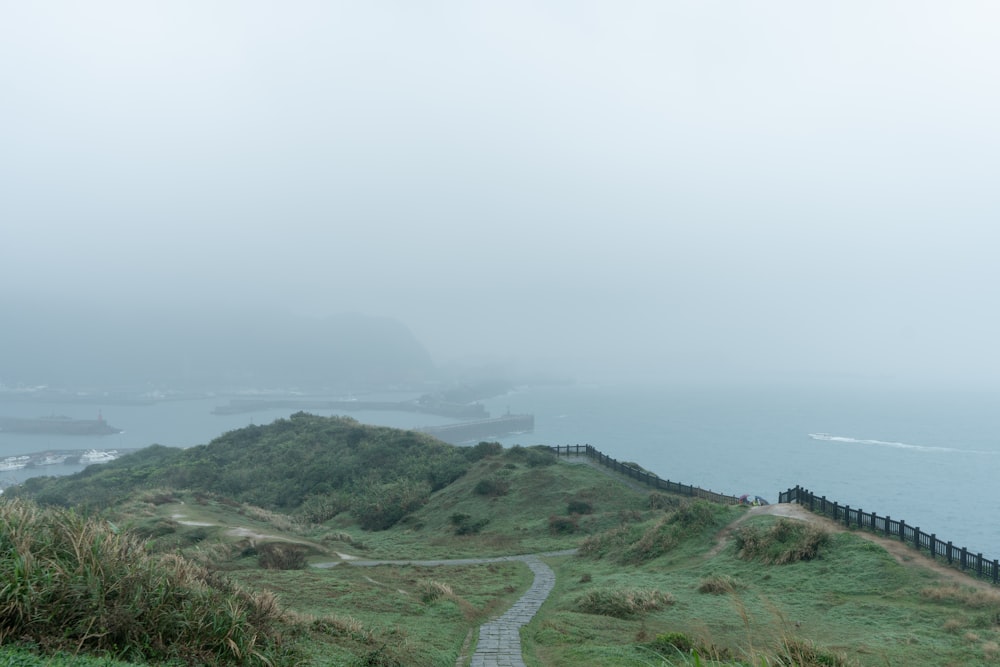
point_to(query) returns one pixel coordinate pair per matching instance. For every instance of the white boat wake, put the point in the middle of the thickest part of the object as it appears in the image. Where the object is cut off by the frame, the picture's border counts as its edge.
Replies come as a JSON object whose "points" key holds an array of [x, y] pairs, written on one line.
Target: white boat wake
{"points": [[885, 443]]}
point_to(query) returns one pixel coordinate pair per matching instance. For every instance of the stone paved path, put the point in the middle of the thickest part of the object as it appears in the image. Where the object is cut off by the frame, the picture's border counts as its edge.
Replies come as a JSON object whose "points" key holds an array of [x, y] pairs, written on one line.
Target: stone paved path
{"points": [[500, 639]]}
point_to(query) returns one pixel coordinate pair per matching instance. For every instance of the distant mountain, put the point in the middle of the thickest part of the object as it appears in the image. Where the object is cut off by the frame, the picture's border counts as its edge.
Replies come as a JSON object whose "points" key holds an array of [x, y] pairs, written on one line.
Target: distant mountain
{"points": [[138, 345]]}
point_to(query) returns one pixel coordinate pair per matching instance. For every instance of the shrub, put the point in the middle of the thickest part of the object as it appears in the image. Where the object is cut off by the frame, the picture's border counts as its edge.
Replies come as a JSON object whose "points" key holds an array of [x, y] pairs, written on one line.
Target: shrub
{"points": [[318, 508], [492, 486], [662, 501], [610, 542], [465, 526], [562, 525], [431, 590], [483, 450], [695, 515], [579, 507], [381, 506], [159, 497], [622, 603], [966, 595], [805, 654], [783, 542], [719, 584], [533, 457], [281, 556], [673, 641], [640, 544]]}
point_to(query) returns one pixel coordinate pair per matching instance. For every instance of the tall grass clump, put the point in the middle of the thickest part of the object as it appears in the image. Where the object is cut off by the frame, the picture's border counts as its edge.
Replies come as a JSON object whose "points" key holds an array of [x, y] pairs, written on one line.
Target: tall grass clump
{"points": [[81, 585], [783, 542], [622, 602], [637, 544]]}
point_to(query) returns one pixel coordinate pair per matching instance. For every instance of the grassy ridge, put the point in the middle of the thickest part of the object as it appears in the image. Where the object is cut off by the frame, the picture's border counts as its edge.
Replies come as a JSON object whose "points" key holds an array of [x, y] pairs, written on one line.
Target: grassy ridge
{"points": [[652, 585], [314, 466]]}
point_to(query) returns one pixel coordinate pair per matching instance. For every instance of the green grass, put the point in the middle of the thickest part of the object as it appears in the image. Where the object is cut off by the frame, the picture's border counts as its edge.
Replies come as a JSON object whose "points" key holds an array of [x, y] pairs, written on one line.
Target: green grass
{"points": [[852, 602], [76, 584], [649, 586]]}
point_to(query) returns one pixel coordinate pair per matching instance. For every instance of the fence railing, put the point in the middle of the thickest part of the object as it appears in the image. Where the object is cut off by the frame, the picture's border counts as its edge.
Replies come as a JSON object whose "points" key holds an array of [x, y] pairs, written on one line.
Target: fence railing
{"points": [[642, 475], [911, 535]]}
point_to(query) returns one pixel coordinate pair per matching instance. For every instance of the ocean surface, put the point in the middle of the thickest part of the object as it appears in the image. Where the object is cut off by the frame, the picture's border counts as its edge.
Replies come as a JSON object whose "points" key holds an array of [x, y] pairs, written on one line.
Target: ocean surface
{"points": [[929, 458]]}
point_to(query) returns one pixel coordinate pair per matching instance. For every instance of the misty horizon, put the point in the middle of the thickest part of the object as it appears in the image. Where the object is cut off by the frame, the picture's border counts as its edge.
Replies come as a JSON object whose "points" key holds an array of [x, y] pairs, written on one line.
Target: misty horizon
{"points": [[661, 193]]}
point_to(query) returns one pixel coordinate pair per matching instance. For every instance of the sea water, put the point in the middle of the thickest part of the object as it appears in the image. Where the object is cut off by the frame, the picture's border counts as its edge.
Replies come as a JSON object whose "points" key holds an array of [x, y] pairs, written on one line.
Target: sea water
{"points": [[930, 459]]}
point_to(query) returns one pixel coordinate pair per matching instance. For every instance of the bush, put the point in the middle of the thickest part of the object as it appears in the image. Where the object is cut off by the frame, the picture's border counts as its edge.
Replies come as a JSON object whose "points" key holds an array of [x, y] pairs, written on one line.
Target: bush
{"points": [[533, 457], [640, 544], [783, 542], [465, 526], [622, 603], [677, 641], [318, 508], [562, 525], [719, 584], [492, 486], [695, 515], [483, 450], [805, 654], [281, 556], [662, 501], [381, 506], [579, 507], [431, 590]]}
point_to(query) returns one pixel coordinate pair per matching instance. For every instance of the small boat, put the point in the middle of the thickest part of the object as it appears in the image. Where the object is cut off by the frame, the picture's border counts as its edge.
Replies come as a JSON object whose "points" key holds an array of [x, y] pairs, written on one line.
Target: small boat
{"points": [[51, 460], [13, 463], [98, 456], [821, 436]]}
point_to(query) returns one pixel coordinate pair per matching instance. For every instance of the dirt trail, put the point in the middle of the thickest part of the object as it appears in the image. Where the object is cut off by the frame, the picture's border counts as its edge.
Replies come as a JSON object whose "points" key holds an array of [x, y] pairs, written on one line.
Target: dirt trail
{"points": [[903, 553]]}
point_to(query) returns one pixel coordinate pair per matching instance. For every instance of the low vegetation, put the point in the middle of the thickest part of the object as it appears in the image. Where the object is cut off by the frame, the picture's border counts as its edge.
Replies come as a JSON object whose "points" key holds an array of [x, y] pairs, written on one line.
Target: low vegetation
{"points": [[782, 542], [622, 602], [167, 569], [76, 584]]}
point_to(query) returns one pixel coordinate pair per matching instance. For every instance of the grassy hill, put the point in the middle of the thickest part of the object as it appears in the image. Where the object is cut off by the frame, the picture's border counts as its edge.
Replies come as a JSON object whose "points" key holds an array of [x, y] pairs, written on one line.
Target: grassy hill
{"points": [[270, 529]]}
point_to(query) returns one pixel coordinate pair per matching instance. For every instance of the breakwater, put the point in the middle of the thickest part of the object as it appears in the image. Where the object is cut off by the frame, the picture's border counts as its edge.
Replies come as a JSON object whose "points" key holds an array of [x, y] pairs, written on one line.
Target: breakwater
{"points": [[441, 409], [481, 429]]}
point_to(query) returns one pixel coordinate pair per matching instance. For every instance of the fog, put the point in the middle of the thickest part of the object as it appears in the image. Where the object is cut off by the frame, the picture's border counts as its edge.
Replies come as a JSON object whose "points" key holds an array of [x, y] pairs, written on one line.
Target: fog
{"points": [[640, 191]]}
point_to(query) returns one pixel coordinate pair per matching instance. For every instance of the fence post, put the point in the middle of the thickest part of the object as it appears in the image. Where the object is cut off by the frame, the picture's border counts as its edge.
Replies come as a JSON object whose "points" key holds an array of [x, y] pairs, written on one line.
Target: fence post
{"points": [[902, 530], [949, 552], [861, 514], [996, 571], [823, 504], [916, 538], [963, 557], [979, 564], [886, 531], [933, 545], [847, 515]]}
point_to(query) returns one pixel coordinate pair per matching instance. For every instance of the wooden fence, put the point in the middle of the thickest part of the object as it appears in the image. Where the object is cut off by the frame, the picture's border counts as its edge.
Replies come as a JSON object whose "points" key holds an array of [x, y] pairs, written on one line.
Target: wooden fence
{"points": [[643, 476], [911, 535]]}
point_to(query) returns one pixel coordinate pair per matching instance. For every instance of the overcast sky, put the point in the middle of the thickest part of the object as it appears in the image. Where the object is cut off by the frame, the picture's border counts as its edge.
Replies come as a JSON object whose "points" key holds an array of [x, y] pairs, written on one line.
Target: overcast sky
{"points": [[622, 189]]}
